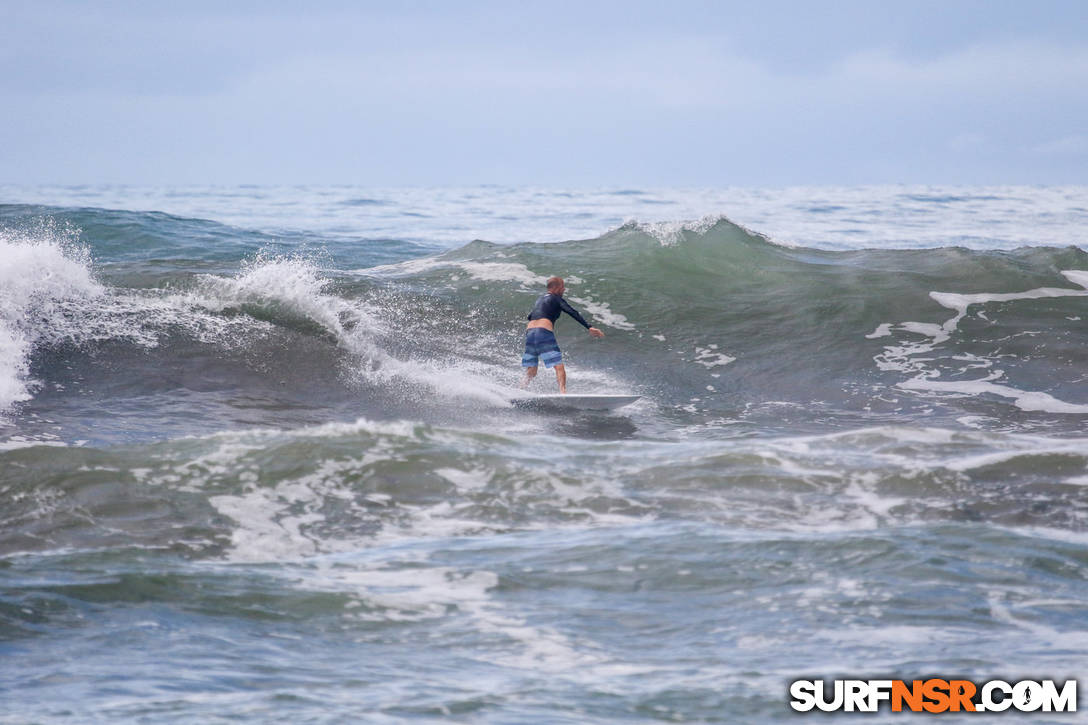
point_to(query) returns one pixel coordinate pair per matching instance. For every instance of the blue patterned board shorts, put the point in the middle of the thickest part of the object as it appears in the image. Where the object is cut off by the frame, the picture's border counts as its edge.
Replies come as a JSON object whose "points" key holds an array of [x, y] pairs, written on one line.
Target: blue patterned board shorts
{"points": [[540, 343]]}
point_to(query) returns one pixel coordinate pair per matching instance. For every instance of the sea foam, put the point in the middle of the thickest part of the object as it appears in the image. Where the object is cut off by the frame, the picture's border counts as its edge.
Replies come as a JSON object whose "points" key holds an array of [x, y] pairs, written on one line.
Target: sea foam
{"points": [[43, 273]]}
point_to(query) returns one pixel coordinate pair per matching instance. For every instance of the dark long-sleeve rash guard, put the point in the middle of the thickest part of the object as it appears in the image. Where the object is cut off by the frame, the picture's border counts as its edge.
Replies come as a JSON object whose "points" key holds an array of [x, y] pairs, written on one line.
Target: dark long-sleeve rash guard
{"points": [[550, 305]]}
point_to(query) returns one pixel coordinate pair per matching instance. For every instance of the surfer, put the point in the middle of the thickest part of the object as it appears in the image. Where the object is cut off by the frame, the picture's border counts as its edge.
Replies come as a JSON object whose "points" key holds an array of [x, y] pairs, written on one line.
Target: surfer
{"points": [[540, 339]]}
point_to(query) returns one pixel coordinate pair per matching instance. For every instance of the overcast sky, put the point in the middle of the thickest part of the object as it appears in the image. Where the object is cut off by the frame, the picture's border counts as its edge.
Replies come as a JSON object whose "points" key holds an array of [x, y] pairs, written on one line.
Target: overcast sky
{"points": [[578, 94]]}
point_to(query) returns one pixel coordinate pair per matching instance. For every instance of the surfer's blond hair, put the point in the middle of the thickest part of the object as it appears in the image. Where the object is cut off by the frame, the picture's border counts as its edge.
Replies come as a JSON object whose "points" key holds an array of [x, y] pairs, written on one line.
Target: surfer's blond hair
{"points": [[554, 283]]}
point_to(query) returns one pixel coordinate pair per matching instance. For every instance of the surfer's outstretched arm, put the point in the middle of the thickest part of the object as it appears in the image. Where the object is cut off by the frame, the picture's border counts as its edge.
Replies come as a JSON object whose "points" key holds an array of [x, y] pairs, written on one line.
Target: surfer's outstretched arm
{"points": [[577, 316], [565, 307]]}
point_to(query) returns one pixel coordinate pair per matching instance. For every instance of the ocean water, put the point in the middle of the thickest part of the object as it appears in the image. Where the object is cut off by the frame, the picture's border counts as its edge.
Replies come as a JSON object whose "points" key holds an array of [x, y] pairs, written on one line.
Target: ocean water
{"points": [[258, 460]]}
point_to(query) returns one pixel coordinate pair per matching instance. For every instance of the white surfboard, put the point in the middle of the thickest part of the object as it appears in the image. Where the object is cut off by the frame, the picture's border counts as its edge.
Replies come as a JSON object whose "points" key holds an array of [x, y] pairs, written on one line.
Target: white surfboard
{"points": [[578, 402]]}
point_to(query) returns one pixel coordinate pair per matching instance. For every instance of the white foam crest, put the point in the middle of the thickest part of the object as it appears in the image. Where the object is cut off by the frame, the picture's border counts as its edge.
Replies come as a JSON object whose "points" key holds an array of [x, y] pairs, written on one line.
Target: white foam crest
{"points": [[984, 460], [1029, 401], [295, 286], [671, 233], [411, 593], [405, 268], [600, 311], [474, 479], [709, 357], [882, 330], [42, 274], [16, 442], [483, 271], [961, 302], [930, 448], [460, 379], [142, 317], [1078, 538], [503, 272], [914, 357], [393, 429]]}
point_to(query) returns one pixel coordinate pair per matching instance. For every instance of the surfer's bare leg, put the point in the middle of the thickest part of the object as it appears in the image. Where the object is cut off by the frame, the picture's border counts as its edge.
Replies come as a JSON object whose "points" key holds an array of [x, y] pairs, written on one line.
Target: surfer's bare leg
{"points": [[530, 373], [561, 378]]}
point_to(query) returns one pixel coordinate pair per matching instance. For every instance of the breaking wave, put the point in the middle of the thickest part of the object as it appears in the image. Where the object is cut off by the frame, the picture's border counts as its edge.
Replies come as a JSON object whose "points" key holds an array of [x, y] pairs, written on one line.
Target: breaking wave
{"points": [[709, 320]]}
